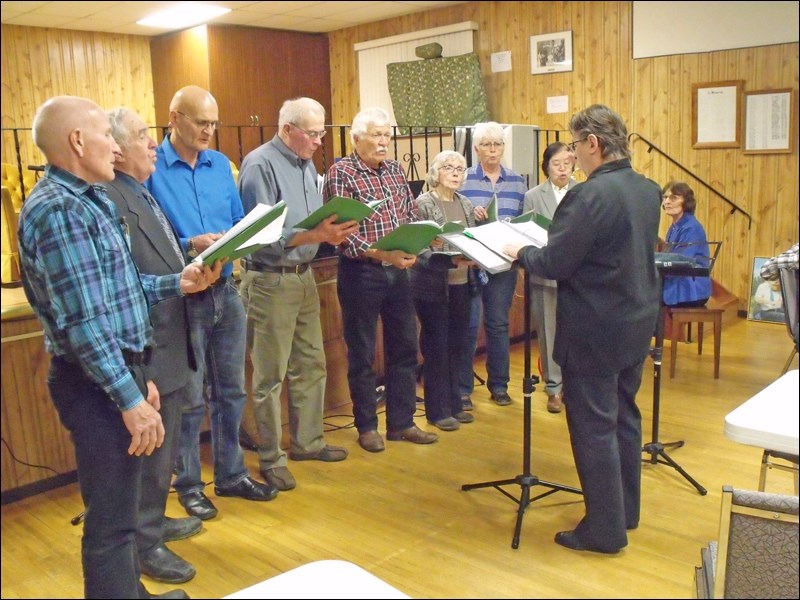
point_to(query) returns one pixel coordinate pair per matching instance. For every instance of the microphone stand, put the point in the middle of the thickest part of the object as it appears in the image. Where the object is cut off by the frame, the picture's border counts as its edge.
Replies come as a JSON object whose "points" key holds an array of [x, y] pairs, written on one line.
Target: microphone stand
{"points": [[656, 449], [526, 480]]}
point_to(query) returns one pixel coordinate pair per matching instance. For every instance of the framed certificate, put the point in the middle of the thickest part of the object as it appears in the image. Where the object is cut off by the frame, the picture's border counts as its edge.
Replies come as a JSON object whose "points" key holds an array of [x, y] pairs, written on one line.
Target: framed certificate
{"points": [[716, 114], [769, 121]]}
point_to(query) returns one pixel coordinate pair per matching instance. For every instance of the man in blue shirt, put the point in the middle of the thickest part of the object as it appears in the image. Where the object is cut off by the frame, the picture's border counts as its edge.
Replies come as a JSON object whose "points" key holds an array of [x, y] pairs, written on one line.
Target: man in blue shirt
{"points": [[484, 182], [195, 187], [83, 285]]}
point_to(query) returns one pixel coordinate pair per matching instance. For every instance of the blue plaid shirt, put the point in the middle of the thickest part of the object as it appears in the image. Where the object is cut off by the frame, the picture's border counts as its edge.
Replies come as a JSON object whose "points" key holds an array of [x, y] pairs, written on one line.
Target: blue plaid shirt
{"points": [[82, 283]]}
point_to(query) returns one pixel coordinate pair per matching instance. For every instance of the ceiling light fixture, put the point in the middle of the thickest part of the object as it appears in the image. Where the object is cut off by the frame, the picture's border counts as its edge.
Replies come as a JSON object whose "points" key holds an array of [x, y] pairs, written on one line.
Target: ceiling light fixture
{"points": [[184, 15]]}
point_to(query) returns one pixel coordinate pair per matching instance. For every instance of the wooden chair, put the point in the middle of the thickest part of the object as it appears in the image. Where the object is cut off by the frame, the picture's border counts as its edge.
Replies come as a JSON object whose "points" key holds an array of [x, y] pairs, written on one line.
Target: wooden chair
{"points": [[700, 315]]}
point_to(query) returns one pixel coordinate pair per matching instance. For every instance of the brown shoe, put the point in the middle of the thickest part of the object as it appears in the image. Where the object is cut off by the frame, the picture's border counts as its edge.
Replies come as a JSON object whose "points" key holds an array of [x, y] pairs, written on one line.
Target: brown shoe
{"points": [[326, 454], [413, 434], [555, 403], [371, 441], [280, 477], [446, 424]]}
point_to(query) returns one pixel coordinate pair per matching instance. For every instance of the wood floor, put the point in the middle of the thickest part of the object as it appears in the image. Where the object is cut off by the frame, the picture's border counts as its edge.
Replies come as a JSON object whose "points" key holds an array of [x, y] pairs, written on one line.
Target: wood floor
{"points": [[402, 514]]}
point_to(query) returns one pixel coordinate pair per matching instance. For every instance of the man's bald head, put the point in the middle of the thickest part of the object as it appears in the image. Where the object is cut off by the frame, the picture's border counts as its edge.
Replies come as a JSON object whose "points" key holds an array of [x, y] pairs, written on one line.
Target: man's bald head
{"points": [[74, 134], [192, 100]]}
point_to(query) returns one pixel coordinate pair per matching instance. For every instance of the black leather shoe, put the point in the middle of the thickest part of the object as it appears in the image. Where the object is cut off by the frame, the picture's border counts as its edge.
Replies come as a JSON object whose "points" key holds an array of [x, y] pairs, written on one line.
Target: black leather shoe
{"points": [[198, 505], [249, 489], [162, 564], [570, 539], [180, 529], [171, 594]]}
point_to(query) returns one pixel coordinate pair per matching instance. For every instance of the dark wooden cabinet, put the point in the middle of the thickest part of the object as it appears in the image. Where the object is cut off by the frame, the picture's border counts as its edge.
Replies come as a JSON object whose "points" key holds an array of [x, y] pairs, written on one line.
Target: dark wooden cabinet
{"points": [[250, 71]]}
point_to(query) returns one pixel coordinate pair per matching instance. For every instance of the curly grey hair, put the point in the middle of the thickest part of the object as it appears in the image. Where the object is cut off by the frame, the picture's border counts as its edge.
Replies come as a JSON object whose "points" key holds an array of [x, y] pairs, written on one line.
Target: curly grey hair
{"points": [[441, 159], [369, 116]]}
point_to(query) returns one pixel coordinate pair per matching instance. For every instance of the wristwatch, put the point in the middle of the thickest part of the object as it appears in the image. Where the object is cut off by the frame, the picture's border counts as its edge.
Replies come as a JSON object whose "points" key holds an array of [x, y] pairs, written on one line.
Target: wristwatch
{"points": [[191, 251]]}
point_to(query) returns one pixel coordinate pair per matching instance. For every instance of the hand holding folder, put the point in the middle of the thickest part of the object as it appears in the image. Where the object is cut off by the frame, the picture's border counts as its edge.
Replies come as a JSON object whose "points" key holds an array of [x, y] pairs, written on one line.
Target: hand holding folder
{"points": [[412, 238], [260, 227], [346, 209], [484, 244]]}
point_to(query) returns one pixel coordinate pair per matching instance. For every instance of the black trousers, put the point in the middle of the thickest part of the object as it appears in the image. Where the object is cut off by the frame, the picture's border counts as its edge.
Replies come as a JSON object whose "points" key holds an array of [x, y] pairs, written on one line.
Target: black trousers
{"points": [[110, 482], [605, 428]]}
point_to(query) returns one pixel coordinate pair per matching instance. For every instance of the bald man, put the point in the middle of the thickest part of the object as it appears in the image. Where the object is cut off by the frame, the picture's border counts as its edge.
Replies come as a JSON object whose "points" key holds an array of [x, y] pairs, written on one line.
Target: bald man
{"points": [[195, 187], [93, 305]]}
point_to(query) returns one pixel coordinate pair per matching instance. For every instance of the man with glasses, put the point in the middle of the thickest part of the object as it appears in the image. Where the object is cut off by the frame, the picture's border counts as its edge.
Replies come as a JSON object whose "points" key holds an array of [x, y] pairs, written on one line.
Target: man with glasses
{"points": [[487, 181], [195, 188], [374, 284], [280, 293], [600, 249]]}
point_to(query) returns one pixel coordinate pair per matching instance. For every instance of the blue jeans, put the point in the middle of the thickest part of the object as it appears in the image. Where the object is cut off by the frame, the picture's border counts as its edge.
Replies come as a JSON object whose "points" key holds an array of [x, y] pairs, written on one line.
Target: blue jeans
{"points": [[367, 291], [109, 479], [496, 298], [218, 334]]}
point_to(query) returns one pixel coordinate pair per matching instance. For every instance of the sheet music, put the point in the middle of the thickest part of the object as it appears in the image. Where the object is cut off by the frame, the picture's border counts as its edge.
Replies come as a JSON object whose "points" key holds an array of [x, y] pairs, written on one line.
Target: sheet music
{"points": [[499, 233], [477, 251]]}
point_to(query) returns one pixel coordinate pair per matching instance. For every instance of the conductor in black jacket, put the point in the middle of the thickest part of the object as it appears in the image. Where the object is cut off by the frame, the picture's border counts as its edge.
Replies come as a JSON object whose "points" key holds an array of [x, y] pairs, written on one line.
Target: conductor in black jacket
{"points": [[601, 252], [155, 250]]}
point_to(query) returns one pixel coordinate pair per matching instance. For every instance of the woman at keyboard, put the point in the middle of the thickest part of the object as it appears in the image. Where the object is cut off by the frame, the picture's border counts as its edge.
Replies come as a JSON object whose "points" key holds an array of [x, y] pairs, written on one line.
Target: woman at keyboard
{"points": [[687, 237]]}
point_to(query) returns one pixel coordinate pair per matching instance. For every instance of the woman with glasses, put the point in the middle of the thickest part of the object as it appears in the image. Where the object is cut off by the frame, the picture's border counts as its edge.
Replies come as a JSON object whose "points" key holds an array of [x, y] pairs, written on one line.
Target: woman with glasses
{"points": [[558, 164], [685, 236], [440, 287]]}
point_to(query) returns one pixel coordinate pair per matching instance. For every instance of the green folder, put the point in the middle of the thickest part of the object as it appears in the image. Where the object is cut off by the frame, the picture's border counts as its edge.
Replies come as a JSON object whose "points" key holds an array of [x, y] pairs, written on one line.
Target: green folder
{"points": [[412, 238], [233, 245], [347, 209], [540, 220], [491, 209]]}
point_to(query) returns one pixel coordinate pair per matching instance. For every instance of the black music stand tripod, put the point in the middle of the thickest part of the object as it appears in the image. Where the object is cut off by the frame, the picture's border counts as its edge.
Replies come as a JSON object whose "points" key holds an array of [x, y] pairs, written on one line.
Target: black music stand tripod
{"points": [[656, 449], [526, 480]]}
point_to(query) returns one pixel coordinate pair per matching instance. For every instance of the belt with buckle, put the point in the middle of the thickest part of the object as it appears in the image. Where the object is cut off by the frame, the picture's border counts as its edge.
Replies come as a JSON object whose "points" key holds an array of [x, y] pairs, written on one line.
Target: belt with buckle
{"points": [[295, 270], [131, 358]]}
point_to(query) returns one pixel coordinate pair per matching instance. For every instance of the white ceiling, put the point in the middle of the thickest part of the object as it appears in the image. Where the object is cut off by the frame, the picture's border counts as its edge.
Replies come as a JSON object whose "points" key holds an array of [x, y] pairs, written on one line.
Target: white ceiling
{"points": [[121, 17]]}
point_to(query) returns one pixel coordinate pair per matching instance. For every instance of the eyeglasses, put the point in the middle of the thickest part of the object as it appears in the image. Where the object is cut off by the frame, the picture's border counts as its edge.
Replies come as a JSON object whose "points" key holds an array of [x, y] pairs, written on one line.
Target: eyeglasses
{"points": [[200, 124], [572, 145], [314, 135], [452, 169], [490, 145]]}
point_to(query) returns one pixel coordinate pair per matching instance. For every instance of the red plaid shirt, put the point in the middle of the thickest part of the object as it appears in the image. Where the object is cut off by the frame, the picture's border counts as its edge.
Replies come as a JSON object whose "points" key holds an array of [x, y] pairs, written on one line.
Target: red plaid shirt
{"points": [[352, 178]]}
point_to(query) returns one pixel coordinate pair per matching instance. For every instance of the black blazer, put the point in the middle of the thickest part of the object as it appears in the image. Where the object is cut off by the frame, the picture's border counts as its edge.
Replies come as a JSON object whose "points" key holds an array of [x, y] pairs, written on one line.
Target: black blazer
{"points": [[173, 359], [600, 249]]}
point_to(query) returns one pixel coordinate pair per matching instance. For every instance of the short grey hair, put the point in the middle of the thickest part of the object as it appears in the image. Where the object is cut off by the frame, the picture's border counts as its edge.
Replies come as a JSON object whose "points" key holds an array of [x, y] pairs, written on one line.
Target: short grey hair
{"points": [[120, 131], [368, 117], [297, 110], [488, 132], [444, 157], [607, 126]]}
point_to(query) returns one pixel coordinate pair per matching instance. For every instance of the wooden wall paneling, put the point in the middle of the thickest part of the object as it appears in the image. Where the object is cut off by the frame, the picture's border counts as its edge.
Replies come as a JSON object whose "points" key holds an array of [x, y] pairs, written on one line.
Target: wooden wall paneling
{"points": [[178, 59], [39, 63], [30, 422]]}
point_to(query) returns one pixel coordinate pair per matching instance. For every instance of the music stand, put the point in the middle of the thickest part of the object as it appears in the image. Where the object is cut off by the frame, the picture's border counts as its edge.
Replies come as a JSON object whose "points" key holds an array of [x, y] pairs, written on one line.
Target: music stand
{"points": [[526, 480], [656, 449]]}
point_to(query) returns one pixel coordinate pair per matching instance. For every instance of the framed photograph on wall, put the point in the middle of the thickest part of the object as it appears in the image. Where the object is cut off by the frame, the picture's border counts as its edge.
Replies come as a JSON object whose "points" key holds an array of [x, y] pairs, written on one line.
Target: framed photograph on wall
{"points": [[551, 53], [766, 301], [716, 114], [769, 121]]}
